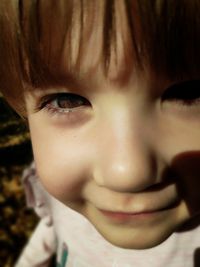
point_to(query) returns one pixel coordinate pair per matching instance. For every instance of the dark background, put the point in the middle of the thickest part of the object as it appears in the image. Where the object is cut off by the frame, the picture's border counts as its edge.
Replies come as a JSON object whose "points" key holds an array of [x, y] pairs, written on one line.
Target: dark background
{"points": [[16, 221]]}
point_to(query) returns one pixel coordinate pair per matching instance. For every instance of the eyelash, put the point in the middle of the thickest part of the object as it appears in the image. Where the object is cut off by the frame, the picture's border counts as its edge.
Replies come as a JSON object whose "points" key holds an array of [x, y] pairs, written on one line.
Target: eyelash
{"points": [[186, 94], [75, 102]]}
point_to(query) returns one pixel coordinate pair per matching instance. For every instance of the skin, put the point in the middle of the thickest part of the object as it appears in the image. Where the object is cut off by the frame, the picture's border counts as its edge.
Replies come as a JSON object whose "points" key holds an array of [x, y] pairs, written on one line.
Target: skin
{"points": [[126, 151]]}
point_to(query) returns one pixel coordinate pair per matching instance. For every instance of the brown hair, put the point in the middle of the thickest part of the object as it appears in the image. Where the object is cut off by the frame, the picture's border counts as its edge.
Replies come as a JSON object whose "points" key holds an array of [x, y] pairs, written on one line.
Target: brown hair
{"points": [[43, 41]]}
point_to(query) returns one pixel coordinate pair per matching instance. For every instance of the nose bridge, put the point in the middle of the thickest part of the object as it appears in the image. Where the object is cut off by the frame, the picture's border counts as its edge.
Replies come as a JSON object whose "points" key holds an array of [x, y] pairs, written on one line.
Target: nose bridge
{"points": [[126, 162]]}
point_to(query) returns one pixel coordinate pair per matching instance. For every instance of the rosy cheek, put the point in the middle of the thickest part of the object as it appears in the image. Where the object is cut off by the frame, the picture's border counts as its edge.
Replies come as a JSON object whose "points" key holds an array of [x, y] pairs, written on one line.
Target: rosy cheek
{"points": [[63, 182], [63, 164], [61, 175]]}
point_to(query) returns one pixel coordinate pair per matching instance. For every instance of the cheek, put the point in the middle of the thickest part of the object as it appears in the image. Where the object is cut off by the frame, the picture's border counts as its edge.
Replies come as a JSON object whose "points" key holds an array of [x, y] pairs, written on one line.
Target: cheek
{"points": [[187, 165], [179, 144], [63, 163]]}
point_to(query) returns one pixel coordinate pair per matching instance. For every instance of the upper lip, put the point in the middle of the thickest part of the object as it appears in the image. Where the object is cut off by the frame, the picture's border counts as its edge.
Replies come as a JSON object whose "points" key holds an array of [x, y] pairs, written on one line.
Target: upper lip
{"points": [[133, 203], [135, 209]]}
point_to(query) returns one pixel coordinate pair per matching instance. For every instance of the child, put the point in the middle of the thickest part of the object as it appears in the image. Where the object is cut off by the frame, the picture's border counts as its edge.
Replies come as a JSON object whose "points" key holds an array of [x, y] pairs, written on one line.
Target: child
{"points": [[111, 93]]}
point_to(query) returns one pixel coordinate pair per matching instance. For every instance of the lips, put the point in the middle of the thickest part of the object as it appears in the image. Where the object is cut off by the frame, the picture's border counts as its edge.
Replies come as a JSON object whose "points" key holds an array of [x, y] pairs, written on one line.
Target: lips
{"points": [[142, 209], [118, 214], [123, 217], [122, 213]]}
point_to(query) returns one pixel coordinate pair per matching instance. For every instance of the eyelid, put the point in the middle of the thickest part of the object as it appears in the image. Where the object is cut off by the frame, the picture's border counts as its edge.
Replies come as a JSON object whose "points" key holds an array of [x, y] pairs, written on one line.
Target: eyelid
{"points": [[188, 91]]}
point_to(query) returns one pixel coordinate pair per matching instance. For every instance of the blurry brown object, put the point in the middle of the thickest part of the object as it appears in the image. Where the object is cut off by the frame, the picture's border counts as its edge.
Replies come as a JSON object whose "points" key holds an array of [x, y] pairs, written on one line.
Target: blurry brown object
{"points": [[16, 221]]}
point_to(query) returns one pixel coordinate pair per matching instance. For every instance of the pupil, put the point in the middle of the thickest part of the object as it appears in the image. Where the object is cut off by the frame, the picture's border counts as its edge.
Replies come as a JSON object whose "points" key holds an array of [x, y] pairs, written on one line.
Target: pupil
{"points": [[63, 102], [69, 101]]}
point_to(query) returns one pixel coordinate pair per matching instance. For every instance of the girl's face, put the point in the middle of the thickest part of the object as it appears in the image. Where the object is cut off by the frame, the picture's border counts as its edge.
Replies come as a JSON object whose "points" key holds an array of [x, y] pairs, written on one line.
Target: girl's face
{"points": [[126, 156]]}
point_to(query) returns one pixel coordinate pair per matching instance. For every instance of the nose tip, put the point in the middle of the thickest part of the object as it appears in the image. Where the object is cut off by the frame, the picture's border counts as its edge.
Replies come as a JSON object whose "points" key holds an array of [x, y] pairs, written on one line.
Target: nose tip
{"points": [[128, 175]]}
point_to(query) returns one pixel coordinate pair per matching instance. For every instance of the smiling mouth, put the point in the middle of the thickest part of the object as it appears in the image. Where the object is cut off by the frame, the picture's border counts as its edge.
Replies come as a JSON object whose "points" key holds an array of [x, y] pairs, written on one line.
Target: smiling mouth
{"points": [[149, 205], [122, 217]]}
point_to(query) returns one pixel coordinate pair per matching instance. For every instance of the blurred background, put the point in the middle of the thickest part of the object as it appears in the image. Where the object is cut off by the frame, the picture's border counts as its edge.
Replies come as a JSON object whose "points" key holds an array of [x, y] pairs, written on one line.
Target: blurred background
{"points": [[16, 221]]}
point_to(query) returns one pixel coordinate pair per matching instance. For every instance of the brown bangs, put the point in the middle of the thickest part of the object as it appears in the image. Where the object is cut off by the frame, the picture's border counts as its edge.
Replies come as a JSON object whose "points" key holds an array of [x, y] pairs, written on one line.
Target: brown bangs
{"points": [[43, 42], [58, 39]]}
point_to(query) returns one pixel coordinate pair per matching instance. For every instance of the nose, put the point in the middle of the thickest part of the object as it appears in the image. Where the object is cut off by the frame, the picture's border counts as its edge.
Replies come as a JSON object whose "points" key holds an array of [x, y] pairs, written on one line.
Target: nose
{"points": [[126, 159]]}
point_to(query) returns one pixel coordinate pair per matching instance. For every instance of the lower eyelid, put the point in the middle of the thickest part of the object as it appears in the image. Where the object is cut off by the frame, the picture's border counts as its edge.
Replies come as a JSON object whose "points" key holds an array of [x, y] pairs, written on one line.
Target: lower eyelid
{"points": [[50, 108], [68, 118], [65, 111], [179, 108], [189, 103], [180, 101]]}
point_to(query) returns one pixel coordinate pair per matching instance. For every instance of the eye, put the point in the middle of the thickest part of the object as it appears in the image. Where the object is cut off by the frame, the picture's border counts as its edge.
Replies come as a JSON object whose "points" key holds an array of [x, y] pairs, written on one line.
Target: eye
{"points": [[187, 93], [64, 102]]}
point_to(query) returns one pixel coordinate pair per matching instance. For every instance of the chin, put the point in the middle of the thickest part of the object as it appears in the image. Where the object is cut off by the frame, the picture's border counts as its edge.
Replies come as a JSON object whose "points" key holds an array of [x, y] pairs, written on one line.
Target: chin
{"points": [[137, 240], [136, 244], [139, 232]]}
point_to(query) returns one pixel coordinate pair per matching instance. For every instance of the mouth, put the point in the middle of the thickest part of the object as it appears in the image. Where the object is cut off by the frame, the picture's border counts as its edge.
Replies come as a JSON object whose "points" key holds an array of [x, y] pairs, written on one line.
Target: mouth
{"points": [[125, 217], [143, 207]]}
